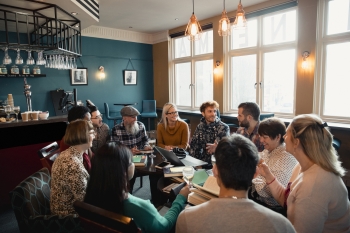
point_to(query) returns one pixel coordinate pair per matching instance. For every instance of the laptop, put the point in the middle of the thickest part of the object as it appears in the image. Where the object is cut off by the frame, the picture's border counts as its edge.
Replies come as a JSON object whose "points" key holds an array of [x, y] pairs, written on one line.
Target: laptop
{"points": [[174, 160]]}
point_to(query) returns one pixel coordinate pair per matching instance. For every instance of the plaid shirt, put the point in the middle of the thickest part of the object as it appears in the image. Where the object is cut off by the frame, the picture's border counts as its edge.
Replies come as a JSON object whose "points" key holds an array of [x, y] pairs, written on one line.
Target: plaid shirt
{"points": [[120, 135], [254, 136]]}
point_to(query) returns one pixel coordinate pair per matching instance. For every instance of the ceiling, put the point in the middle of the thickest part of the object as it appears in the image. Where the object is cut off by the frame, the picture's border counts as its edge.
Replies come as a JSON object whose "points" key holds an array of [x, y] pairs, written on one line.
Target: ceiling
{"points": [[146, 16]]}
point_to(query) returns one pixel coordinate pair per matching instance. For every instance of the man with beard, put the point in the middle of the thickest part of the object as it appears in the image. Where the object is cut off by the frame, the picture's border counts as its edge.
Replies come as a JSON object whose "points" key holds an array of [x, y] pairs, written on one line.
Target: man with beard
{"points": [[130, 132], [208, 133], [248, 118], [101, 129]]}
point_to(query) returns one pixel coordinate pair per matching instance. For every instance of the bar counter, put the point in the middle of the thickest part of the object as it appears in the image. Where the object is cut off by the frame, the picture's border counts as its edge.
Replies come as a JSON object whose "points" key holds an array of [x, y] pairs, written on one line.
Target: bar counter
{"points": [[21, 133]]}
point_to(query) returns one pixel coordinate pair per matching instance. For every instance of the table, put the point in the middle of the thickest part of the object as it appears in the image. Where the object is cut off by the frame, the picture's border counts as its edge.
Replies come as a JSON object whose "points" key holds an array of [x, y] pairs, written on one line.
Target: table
{"points": [[150, 169], [126, 104]]}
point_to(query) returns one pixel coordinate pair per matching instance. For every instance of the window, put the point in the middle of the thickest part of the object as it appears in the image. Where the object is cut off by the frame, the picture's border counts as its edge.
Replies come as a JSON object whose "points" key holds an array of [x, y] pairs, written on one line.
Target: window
{"points": [[262, 62], [192, 71], [333, 49]]}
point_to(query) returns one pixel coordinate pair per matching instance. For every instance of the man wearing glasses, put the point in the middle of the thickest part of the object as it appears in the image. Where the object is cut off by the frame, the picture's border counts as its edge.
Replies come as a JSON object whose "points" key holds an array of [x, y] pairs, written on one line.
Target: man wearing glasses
{"points": [[208, 133], [101, 129]]}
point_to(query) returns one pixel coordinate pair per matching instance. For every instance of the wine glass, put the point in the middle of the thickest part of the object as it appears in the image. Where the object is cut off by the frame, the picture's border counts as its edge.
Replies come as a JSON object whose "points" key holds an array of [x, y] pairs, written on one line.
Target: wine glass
{"points": [[152, 143], [188, 173], [8, 110], [7, 59], [19, 59], [30, 59], [16, 110]]}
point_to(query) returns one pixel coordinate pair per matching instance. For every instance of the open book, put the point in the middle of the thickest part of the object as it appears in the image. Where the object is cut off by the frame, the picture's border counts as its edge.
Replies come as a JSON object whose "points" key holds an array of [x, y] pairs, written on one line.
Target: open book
{"points": [[201, 194], [139, 160]]}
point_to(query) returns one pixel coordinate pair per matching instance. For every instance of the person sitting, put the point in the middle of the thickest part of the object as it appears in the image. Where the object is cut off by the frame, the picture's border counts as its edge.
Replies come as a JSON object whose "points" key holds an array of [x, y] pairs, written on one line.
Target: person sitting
{"points": [[208, 133], [131, 132], [172, 131], [101, 129], [79, 113], [108, 188], [249, 119], [68, 176], [236, 161], [316, 197], [280, 162]]}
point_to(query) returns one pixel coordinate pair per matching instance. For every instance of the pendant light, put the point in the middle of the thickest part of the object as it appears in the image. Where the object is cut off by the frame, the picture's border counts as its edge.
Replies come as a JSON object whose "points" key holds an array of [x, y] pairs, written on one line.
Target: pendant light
{"points": [[224, 24], [193, 29], [240, 21]]}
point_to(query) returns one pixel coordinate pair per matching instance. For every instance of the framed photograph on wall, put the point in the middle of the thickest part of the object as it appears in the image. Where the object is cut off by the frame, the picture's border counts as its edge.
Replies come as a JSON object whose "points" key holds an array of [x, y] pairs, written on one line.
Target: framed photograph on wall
{"points": [[130, 77], [79, 76]]}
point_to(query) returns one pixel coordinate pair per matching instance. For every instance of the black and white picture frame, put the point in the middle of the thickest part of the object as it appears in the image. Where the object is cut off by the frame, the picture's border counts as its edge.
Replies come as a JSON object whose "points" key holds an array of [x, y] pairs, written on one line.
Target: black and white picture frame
{"points": [[130, 77], [79, 76]]}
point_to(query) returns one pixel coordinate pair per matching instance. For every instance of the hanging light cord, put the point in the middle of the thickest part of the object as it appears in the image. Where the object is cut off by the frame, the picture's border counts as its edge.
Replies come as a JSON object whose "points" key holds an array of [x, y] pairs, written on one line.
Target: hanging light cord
{"points": [[224, 5], [193, 6]]}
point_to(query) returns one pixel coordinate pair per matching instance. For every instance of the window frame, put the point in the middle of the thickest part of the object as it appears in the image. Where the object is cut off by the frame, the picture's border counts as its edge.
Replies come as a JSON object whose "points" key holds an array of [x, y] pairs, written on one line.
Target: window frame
{"points": [[259, 50], [192, 59], [321, 54]]}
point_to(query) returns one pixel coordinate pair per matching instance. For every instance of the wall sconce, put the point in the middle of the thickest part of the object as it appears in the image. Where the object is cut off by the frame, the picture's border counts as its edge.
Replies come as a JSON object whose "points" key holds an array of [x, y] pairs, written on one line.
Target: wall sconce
{"points": [[216, 69], [305, 63], [101, 74]]}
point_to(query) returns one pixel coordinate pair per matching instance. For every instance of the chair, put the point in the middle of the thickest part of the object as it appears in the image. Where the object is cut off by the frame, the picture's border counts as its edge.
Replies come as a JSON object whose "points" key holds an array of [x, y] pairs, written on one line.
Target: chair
{"points": [[30, 202], [149, 110], [266, 115], [95, 219], [109, 117], [48, 154], [336, 143]]}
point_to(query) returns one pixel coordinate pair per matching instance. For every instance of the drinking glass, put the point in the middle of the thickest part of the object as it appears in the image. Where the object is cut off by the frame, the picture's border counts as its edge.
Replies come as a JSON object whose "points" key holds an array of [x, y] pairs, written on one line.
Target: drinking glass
{"points": [[7, 59], [19, 59], [8, 110], [152, 143], [16, 110], [30, 59], [188, 173]]}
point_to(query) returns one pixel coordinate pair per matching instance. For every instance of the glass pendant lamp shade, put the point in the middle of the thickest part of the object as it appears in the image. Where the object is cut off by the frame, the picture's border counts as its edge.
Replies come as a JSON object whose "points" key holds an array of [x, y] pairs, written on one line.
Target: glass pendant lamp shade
{"points": [[224, 24], [193, 29], [240, 21]]}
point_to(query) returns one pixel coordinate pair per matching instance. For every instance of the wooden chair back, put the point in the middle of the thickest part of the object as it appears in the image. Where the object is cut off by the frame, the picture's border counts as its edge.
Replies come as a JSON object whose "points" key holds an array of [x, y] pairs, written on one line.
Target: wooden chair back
{"points": [[48, 154], [95, 219]]}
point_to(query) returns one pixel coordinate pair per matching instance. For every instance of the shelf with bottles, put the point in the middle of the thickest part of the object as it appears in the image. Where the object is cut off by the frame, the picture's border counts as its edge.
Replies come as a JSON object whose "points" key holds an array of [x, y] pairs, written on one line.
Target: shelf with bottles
{"points": [[22, 75], [14, 71]]}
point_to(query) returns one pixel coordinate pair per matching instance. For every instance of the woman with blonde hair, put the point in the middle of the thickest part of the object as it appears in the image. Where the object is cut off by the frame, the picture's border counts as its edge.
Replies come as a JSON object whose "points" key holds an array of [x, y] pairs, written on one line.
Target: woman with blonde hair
{"points": [[316, 197], [172, 131], [69, 176]]}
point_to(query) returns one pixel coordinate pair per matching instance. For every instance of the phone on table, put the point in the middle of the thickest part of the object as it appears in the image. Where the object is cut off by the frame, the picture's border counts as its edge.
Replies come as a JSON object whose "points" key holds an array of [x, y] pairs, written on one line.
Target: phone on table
{"points": [[162, 164]]}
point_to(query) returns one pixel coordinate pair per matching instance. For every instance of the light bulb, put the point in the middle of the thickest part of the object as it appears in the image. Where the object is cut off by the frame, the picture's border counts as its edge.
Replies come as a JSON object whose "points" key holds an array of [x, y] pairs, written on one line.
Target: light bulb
{"points": [[194, 29], [305, 64], [224, 26], [240, 21]]}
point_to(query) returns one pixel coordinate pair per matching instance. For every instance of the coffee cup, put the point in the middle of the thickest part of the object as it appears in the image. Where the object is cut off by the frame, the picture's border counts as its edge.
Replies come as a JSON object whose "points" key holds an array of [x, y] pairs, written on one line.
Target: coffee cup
{"points": [[35, 115], [25, 116]]}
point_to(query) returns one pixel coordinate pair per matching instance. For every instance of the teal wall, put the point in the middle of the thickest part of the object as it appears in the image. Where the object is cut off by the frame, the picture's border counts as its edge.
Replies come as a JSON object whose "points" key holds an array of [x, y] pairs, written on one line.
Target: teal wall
{"points": [[113, 55]]}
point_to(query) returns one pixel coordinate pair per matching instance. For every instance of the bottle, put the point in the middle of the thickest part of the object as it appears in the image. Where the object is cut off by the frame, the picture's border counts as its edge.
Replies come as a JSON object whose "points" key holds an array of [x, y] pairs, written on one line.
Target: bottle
{"points": [[14, 69], [25, 70], [3, 69], [36, 70]]}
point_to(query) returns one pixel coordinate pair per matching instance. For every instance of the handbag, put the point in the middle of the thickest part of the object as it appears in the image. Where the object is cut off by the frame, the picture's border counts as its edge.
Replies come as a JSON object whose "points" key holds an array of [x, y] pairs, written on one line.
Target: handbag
{"points": [[180, 153]]}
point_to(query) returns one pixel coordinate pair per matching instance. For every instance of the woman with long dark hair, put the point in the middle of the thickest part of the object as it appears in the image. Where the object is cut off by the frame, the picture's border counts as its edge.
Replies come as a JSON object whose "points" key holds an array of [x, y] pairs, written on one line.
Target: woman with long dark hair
{"points": [[108, 188]]}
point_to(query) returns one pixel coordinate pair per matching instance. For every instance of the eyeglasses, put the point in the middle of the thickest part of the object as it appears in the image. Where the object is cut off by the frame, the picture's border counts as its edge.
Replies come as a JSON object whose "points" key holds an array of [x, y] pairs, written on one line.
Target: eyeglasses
{"points": [[172, 113], [97, 117]]}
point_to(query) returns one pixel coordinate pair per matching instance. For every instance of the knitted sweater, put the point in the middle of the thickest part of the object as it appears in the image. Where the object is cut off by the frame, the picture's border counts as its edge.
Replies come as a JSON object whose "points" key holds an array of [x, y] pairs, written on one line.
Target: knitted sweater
{"points": [[176, 136]]}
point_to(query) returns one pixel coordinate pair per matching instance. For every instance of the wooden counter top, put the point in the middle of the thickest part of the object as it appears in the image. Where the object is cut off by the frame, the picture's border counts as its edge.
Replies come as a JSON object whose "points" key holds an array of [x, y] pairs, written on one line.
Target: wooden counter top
{"points": [[49, 120]]}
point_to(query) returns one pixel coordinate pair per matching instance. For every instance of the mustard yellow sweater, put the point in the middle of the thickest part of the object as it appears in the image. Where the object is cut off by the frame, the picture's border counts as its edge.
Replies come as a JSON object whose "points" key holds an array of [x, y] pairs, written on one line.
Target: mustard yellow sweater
{"points": [[176, 136]]}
